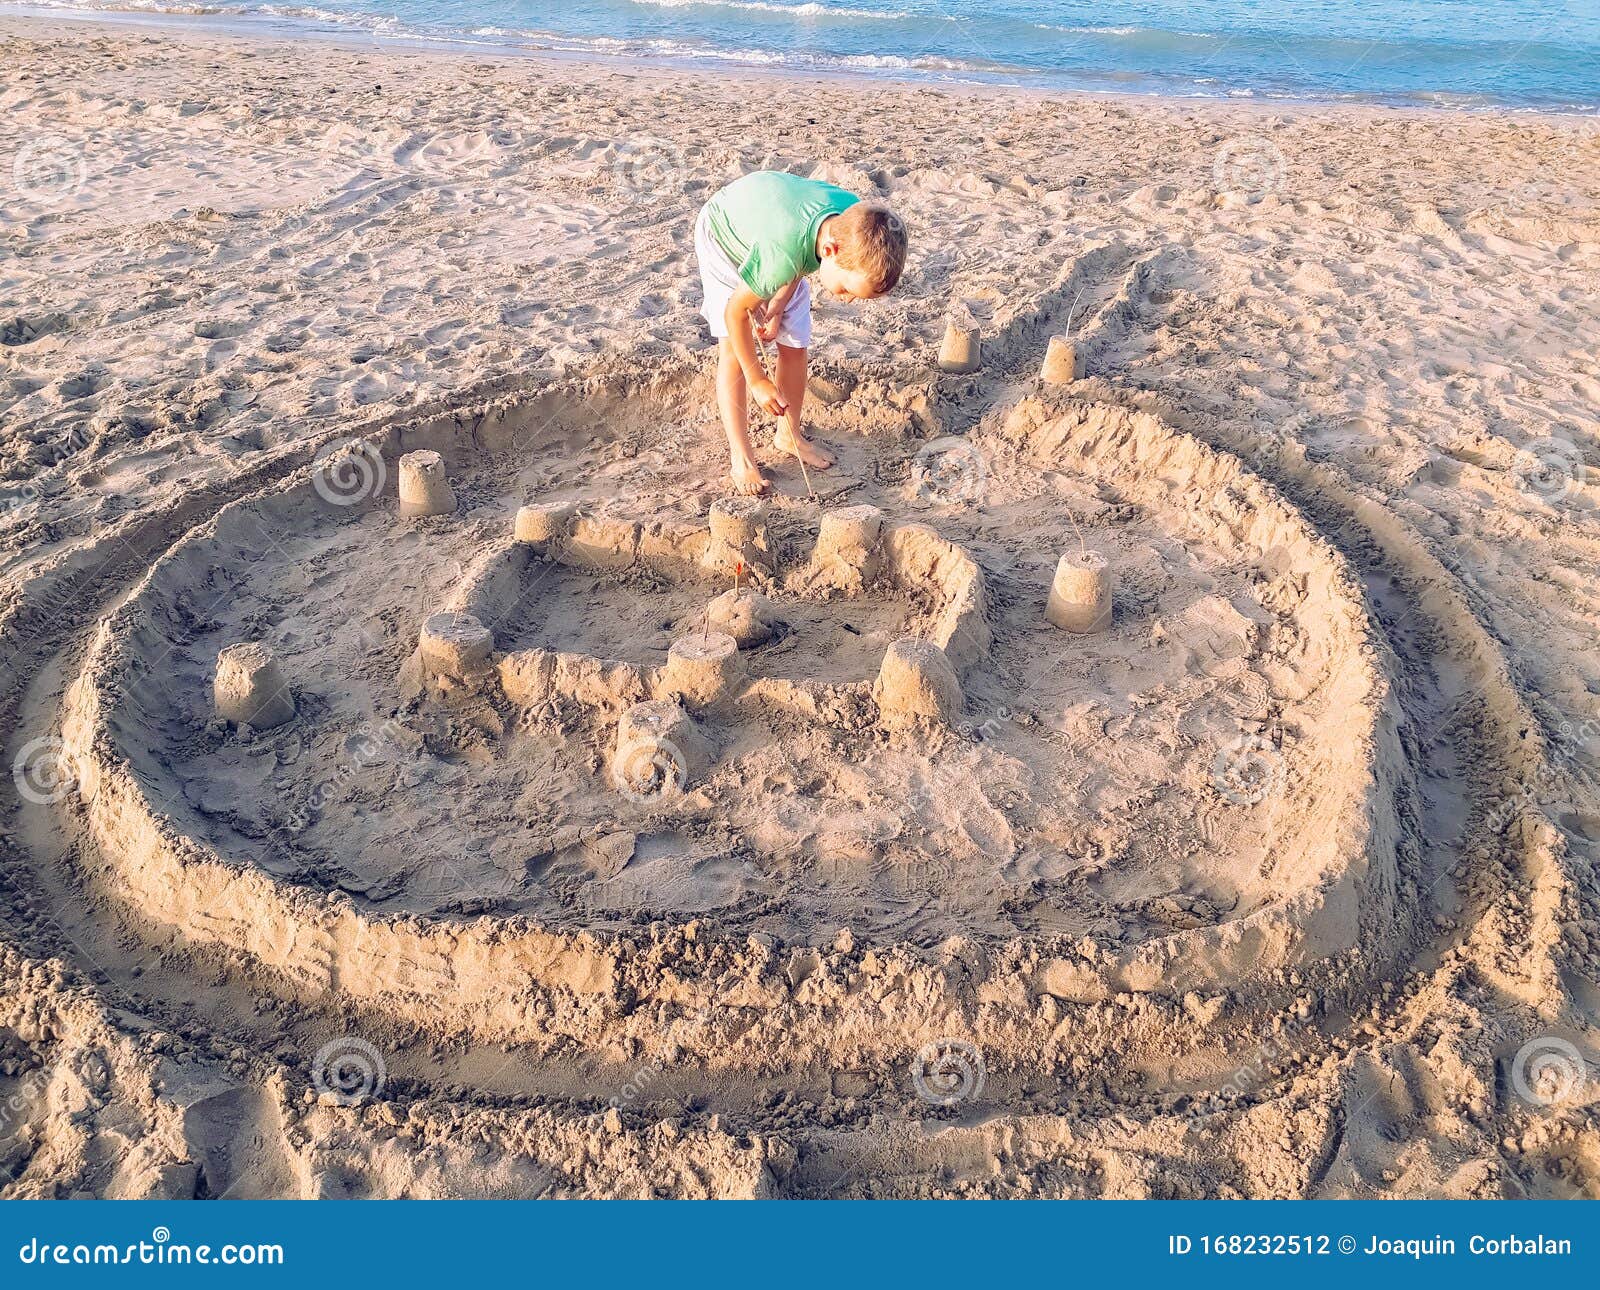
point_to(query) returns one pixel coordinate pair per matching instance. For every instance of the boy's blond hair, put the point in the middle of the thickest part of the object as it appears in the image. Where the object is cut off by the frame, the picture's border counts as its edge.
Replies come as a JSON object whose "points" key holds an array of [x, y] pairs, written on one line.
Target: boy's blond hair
{"points": [[872, 240]]}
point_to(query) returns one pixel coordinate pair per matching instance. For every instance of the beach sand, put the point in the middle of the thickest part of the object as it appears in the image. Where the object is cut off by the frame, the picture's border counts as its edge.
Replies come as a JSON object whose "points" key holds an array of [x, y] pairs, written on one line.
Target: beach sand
{"points": [[1279, 883]]}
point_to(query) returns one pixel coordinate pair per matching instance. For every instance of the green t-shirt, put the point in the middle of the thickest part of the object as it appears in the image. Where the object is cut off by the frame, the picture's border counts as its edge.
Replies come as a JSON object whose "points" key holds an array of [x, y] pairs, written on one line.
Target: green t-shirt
{"points": [[767, 224]]}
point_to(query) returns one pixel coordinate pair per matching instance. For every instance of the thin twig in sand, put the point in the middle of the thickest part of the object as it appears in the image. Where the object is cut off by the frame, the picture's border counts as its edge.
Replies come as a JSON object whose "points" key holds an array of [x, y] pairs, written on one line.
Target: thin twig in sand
{"points": [[1083, 547], [1073, 310]]}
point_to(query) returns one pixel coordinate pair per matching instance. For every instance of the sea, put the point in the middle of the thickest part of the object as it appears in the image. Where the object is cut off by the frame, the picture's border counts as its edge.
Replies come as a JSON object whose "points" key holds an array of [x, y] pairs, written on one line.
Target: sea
{"points": [[1517, 54]]}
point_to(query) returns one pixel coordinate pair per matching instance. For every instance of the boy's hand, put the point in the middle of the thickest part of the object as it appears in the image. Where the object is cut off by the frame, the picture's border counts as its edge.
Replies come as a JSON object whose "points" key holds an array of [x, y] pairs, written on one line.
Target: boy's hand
{"points": [[766, 395], [769, 326]]}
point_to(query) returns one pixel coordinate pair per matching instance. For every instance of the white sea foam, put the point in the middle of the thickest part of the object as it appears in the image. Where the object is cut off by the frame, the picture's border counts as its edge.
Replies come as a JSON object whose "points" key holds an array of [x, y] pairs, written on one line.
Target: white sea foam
{"points": [[808, 10]]}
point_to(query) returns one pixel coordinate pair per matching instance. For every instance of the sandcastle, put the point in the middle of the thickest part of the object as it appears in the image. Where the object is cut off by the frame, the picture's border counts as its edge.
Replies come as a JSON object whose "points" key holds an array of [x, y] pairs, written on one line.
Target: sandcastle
{"points": [[855, 551], [1062, 362], [742, 613], [702, 670], [540, 525], [455, 645], [627, 838], [424, 490], [738, 537], [250, 688], [659, 750], [1080, 593], [916, 686], [847, 554], [960, 350]]}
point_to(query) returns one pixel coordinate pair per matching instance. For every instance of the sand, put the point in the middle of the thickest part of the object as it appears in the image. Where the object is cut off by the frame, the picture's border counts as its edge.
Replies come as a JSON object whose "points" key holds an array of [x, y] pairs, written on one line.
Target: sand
{"points": [[1278, 883]]}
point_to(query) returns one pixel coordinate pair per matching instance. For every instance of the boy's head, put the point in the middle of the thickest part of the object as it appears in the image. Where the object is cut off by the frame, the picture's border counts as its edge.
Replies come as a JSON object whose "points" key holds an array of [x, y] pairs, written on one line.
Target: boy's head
{"points": [[863, 251]]}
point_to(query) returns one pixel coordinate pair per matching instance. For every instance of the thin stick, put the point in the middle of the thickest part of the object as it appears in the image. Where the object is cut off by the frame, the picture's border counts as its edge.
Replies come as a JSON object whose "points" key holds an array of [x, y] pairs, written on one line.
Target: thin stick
{"points": [[1074, 309], [761, 349], [1083, 548]]}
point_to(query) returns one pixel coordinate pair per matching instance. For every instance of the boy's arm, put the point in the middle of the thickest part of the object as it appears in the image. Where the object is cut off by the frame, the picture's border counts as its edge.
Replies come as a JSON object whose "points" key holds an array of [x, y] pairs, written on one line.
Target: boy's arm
{"points": [[739, 317], [772, 317]]}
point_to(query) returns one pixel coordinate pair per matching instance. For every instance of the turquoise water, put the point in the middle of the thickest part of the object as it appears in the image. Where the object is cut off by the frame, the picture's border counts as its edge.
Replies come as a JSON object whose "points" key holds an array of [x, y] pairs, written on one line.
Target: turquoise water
{"points": [[1520, 53]]}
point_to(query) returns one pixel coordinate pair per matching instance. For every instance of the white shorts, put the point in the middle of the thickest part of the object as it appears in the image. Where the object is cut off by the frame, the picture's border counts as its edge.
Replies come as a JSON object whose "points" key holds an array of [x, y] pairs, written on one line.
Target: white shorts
{"points": [[719, 277]]}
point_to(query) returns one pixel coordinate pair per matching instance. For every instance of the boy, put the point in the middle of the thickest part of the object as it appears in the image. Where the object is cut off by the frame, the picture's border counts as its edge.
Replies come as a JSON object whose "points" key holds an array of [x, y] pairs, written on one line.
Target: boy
{"points": [[756, 241]]}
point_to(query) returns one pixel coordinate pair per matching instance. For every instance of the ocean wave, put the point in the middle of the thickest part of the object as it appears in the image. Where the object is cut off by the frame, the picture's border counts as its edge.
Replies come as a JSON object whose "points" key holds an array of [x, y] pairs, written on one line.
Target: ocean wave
{"points": [[808, 10], [1124, 31]]}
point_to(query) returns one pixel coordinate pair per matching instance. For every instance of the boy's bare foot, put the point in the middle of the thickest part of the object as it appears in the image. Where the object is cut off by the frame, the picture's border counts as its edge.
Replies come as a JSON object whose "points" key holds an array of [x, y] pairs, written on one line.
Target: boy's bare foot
{"points": [[807, 451], [747, 479]]}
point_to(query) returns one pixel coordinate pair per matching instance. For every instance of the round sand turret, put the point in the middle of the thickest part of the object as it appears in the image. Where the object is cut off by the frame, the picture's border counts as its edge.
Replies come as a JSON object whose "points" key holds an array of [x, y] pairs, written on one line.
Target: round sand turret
{"points": [[738, 536], [960, 350], [916, 685], [702, 669], [455, 645], [850, 536], [250, 688], [1062, 362], [1080, 595], [659, 750], [424, 490], [744, 614], [543, 524]]}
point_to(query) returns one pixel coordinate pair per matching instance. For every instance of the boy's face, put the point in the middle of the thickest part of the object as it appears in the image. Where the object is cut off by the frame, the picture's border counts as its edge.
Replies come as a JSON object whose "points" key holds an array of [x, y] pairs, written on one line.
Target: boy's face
{"points": [[845, 284]]}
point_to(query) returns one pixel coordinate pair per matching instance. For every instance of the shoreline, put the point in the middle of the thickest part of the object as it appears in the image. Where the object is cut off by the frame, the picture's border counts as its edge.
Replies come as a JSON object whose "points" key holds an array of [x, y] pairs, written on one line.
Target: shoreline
{"points": [[291, 29]]}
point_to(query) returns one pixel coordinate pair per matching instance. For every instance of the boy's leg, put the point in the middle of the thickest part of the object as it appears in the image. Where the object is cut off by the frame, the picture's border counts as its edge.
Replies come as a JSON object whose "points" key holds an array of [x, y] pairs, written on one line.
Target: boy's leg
{"points": [[791, 382], [733, 402]]}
